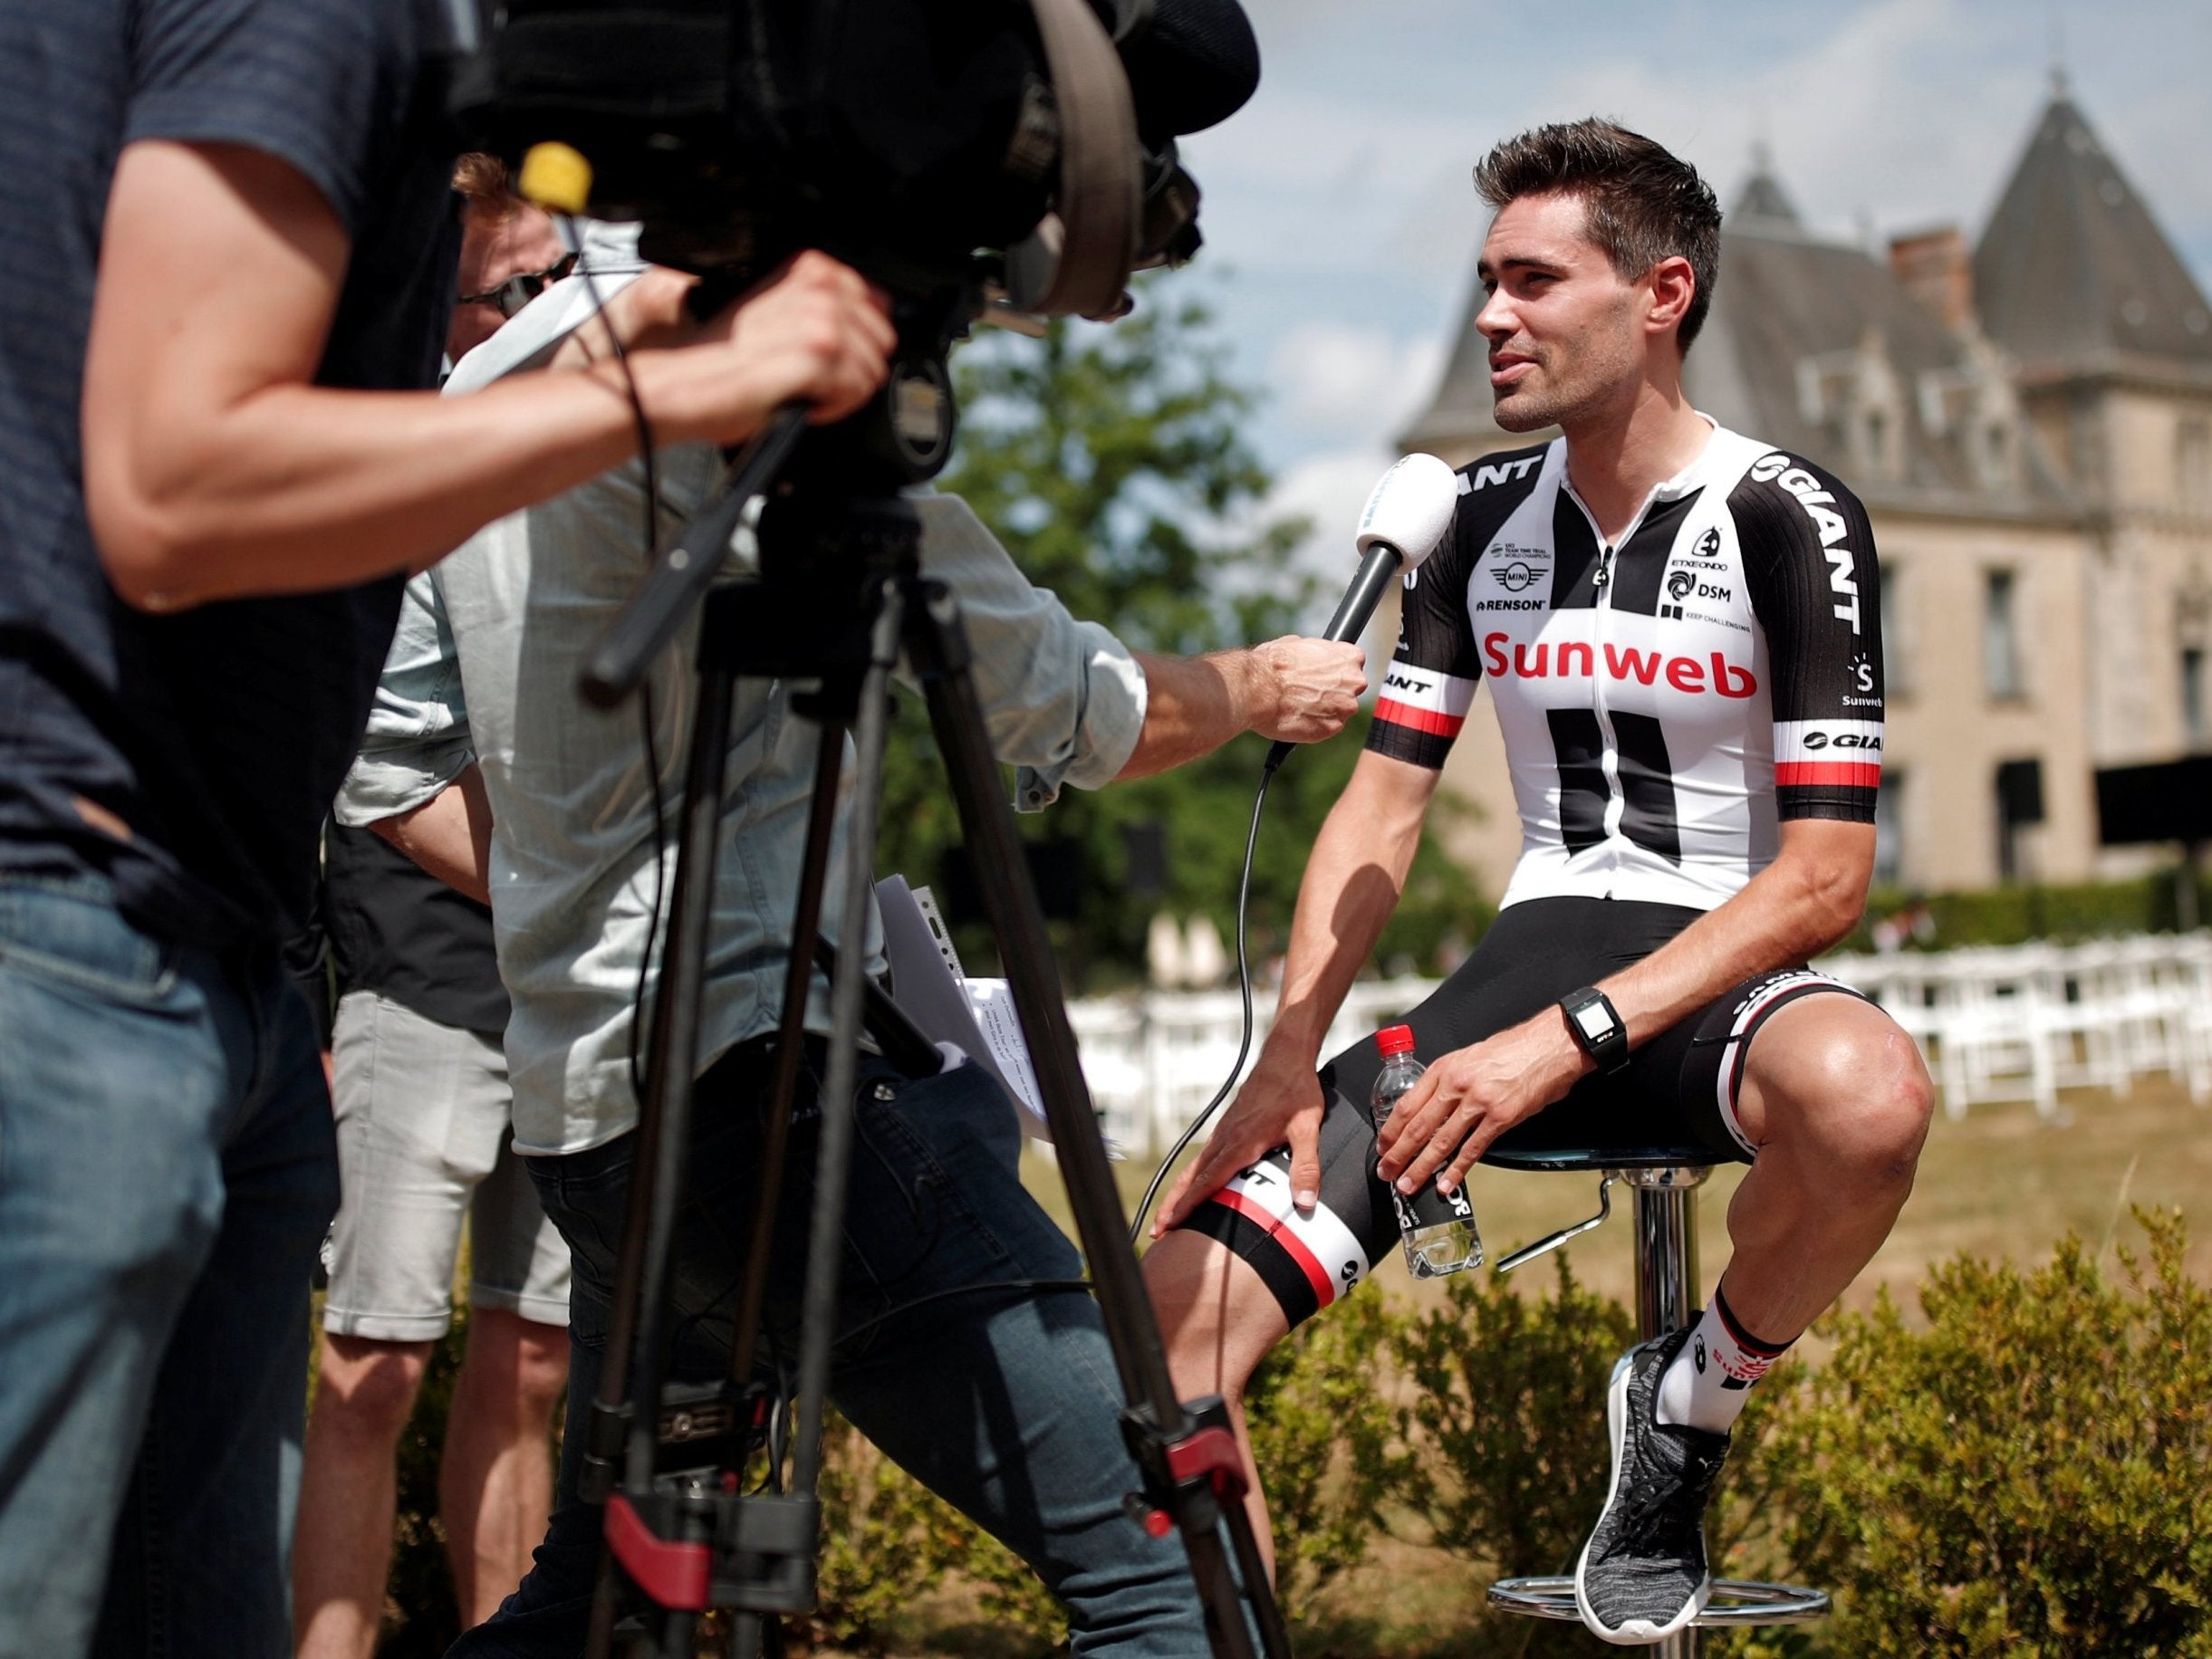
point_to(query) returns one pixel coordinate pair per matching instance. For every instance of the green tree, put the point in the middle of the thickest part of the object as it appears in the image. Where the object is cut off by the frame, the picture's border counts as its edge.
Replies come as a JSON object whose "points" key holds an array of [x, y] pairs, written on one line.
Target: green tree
{"points": [[1111, 463]]}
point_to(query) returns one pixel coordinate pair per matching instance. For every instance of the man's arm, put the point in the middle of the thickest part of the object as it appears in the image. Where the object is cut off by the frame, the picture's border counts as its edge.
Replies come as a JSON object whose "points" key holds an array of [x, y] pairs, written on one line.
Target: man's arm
{"points": [[1297, 690], [1351, 885], [1809, 899], [1068, 703], [449, 835], [214, 468]]}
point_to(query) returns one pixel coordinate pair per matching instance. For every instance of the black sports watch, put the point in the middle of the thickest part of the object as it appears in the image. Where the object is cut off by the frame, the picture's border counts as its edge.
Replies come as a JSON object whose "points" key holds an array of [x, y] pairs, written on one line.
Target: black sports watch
{"points": [[1596, 1027]]}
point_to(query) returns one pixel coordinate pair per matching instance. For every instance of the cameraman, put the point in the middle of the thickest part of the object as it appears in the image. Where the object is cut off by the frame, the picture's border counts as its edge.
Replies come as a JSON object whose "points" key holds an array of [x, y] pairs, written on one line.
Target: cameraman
{"points": [[233, 260], [1004, 1402]]}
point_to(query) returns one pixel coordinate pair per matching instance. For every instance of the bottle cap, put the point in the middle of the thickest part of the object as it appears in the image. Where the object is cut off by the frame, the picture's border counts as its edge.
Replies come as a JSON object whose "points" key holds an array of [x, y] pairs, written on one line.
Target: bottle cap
{"points": [[1394, 1039]]}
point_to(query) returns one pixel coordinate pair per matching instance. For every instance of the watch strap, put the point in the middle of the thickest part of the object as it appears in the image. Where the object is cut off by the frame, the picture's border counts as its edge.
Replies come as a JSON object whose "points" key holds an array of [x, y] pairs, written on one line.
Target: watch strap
{"points": [[1597, 1028]]}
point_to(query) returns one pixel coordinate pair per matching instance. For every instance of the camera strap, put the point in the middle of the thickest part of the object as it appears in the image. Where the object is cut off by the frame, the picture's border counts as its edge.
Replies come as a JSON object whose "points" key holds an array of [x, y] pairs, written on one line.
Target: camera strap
{"points": [[1086, 272]]}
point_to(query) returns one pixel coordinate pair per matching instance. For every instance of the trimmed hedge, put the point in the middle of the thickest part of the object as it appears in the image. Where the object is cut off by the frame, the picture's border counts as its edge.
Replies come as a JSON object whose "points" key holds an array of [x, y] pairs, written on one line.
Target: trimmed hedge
{"points": [[2015, 915]]}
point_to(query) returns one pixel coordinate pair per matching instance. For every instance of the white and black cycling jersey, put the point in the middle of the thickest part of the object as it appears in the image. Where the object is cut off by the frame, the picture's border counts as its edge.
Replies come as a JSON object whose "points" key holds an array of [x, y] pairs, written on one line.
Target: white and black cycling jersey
{"points": [[1668, 701]]}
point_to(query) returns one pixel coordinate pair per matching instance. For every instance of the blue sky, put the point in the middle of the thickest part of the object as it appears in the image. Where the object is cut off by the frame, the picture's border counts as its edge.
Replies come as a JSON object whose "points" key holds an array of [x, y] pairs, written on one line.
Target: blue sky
{"points": [[1341, 228]]}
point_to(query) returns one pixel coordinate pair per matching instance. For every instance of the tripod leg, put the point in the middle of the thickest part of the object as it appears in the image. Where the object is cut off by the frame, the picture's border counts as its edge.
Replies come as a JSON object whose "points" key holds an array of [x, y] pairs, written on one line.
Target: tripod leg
{"points": [[790, 1048], [825, 1241], [938, 644], [638, 1325], [749, 1631]]}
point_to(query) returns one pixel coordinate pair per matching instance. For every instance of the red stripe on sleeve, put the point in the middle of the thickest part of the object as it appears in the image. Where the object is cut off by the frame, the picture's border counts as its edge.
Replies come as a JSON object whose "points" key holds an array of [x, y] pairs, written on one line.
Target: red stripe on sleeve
{"points": [[1852, 774], [1419, 719]]}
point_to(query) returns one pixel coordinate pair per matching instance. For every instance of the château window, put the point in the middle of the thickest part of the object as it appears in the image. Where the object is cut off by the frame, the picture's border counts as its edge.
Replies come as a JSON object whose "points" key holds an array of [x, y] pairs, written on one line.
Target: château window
{"points": [[1896, 638], [1890, 829], [2001, 659], [1877, 441], [2193, 463]]}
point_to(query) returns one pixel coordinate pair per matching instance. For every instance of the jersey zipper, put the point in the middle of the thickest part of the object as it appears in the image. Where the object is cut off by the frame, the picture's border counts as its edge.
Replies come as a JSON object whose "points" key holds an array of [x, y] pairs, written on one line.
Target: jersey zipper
{"points": [[1608, 758]]}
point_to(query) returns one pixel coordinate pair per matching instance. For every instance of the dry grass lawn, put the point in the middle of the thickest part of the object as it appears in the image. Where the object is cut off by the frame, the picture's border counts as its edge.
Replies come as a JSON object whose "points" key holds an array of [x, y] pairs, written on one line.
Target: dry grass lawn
{"points": [[1999, 1182]]}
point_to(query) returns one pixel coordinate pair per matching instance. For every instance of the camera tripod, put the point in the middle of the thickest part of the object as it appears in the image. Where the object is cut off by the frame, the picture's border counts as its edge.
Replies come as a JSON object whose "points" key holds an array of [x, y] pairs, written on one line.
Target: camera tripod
{"points": [[840, 598]]}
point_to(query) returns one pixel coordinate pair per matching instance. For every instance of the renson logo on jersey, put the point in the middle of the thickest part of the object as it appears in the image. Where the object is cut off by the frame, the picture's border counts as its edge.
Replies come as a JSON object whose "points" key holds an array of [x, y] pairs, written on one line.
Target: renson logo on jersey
{"points": [[1818, 501], [1568, 659]]}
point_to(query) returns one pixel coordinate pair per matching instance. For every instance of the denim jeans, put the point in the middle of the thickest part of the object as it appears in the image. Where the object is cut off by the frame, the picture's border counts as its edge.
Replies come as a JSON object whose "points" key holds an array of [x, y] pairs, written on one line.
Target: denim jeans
{"points": [[167, 1171], [1005, 1403]]}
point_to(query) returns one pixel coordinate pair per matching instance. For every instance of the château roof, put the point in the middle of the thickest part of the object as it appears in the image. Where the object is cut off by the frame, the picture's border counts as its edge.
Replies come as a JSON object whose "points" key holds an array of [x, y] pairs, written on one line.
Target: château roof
{"points": [[2074, 266], [1763, 197]]}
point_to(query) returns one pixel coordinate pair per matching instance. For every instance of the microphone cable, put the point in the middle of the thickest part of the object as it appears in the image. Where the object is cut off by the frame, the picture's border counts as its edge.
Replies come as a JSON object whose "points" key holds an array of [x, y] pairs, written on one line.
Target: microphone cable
{"points": [[1243, 986]]}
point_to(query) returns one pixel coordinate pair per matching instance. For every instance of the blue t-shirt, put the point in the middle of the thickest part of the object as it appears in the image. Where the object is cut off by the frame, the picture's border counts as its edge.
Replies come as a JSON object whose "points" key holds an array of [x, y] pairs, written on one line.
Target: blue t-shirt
{"points": [[218, 735]]}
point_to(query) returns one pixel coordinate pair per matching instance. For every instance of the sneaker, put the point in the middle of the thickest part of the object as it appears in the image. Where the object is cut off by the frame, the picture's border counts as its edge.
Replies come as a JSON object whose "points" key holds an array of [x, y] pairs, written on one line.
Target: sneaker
{"points": [[1642, 1576]]}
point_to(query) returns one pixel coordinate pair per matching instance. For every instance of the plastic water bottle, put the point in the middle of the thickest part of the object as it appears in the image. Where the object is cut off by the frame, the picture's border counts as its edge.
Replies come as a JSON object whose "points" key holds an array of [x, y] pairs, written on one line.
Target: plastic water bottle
{"points": [[1439, 1231]]}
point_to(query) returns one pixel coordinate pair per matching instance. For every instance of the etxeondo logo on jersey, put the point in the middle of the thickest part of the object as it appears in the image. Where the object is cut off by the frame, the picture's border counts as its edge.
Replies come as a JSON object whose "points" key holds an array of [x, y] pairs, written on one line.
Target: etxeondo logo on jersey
{"points": [[1578, 660], [1818, 501]]}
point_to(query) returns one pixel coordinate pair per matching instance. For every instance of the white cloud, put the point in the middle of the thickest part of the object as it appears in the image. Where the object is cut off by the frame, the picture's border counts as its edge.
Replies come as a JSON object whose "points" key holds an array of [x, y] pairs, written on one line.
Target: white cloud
{"points": [[1347, 381]]}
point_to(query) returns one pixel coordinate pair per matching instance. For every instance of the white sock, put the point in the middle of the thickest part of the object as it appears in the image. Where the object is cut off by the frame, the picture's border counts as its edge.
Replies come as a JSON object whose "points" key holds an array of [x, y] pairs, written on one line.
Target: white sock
{"points": [[1710, 1380]]}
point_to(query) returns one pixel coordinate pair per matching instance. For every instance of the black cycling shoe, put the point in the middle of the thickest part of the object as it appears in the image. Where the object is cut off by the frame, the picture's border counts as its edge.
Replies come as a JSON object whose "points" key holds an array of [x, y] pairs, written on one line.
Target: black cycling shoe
{"points": [[1642, 1576]]}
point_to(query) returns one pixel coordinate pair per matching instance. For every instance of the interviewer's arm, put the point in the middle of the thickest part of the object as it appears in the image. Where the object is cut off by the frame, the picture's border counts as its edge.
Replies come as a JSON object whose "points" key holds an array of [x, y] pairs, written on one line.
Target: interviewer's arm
{"points": [[1351, 885], [450, 836], [214, 469], [1301, 691], [1809, 899]]}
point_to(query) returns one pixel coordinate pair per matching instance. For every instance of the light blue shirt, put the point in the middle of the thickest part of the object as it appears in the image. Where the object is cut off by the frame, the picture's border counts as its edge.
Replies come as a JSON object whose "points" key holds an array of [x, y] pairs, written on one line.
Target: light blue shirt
{"points": [[483, 669]]}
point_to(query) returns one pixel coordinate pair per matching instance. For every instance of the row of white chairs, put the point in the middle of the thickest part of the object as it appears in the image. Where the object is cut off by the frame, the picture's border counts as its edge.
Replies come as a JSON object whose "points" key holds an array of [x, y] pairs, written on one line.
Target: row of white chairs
{"points": [[2022, 1022], [1996, 1023]]}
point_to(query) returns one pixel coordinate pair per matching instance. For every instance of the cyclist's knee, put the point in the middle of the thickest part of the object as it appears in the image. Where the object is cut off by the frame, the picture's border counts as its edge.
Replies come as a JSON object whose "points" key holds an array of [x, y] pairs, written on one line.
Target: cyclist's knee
{"points": [[1844, 1083]]}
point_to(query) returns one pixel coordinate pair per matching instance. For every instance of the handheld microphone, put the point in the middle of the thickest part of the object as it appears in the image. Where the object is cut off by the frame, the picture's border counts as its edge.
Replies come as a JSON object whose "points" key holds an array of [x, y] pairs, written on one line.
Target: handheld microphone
{"points": [[1407, 514]]}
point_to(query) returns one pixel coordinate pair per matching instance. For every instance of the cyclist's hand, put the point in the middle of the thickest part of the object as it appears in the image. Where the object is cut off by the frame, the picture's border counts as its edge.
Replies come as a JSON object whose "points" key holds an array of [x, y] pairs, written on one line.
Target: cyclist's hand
{"points": [[1472, 1096], [1280, 1102]]}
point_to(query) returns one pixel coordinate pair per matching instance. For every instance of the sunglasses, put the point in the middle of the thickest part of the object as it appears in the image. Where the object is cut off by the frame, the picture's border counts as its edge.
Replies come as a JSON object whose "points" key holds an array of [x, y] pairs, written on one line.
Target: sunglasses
{"points": [[517, 291]]}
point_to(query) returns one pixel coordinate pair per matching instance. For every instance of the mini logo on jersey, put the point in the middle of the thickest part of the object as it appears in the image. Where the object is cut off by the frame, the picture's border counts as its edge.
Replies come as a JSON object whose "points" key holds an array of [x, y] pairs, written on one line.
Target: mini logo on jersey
{"points": [[1516, 576], [1395, 681], [1681, 583], [1862, 673], [1700, 1356], [1708, 544], [1843, 740]]}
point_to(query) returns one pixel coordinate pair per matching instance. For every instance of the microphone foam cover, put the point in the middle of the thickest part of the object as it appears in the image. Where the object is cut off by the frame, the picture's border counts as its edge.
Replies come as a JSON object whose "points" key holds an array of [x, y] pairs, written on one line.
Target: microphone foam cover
{"points": [[1197, 65], [1410, 508]]}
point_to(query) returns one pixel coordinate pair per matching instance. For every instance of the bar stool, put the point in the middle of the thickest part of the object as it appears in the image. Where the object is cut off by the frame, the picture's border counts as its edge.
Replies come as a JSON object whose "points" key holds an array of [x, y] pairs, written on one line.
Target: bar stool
{"points": [[1665, 1182]]}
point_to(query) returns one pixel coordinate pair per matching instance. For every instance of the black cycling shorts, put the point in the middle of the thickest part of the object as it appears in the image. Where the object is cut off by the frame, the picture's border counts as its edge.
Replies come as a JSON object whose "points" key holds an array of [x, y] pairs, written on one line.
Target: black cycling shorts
{"points": [[1677, 1089]]}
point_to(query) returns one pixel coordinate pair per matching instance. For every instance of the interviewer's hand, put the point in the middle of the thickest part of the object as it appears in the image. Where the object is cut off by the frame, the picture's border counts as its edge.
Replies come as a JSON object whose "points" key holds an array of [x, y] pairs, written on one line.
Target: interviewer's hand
{"points": [[1470, 1097], [1303, 690], [816, 333], [1280, 1102]]}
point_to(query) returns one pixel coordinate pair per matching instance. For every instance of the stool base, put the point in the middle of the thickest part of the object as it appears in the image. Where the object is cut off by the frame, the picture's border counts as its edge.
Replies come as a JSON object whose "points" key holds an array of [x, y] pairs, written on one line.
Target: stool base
{"points": [[1735, 1602]]}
